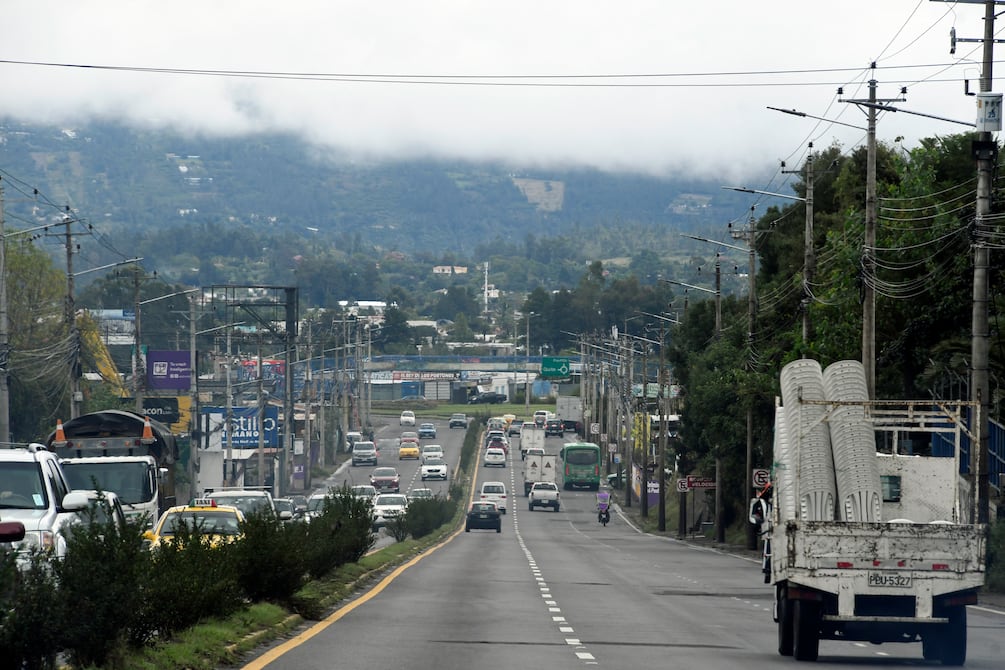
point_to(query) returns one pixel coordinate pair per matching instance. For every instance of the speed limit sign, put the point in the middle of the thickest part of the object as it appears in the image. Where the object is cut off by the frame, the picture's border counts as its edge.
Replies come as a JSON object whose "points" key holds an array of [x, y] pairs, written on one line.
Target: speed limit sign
{"points": [[761, 477], [681, 486], [594, 429]]}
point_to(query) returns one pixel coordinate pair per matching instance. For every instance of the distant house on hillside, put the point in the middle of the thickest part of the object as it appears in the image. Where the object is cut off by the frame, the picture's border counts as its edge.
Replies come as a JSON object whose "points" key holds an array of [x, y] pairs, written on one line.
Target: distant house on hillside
{"points": [[450, 270]]}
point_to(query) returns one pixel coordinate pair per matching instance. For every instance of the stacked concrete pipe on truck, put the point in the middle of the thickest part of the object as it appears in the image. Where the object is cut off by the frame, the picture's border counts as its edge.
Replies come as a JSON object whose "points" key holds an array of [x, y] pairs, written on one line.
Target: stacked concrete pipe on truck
{"points": [[802, 380]]}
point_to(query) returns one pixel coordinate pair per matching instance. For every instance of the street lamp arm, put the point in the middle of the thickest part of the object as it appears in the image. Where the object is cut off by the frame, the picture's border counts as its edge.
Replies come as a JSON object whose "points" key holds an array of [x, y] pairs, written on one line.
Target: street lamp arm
{"points": [[744, 189], [110, 265], [170, 295], [887, 108], [793, 112], [721, 244], [696, 288]]}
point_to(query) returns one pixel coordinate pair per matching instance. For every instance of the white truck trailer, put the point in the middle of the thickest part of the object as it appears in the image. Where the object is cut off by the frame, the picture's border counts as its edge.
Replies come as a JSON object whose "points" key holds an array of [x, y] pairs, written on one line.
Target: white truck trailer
{"points": [[890, 552], [539, 468], [531, 438], [569, 410]]}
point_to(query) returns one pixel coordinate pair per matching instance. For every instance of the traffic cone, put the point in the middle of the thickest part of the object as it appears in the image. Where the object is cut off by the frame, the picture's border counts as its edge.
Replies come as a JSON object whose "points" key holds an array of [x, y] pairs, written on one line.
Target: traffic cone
{"points": [[60, 439], [148, 432]]}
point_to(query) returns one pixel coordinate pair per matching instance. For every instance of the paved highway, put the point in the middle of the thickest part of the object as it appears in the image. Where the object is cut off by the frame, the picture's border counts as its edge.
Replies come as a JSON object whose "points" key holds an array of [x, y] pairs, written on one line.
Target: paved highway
{"points": [[558, 590]]}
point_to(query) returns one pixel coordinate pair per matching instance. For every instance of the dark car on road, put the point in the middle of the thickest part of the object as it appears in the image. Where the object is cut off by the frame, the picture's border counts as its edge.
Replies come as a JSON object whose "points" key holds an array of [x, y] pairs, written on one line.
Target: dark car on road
{"points": [[554, 427], [483, 515], [487, 398]]}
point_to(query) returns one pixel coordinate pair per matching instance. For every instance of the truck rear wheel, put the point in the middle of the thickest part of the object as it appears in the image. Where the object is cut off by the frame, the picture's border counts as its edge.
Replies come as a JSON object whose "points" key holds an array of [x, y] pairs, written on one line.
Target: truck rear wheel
{"points": [[953, 645], [784, 627], [805, 630]]}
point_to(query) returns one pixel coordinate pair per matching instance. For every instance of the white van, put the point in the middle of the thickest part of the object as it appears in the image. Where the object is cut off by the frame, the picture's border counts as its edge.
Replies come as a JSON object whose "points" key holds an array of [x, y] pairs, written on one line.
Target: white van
{"points": [[494, 492]]}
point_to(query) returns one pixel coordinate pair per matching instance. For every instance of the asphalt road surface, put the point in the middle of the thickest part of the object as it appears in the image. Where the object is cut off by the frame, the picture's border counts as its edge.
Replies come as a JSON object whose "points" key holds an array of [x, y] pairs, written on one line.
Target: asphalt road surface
{"points": [[557, 590]]}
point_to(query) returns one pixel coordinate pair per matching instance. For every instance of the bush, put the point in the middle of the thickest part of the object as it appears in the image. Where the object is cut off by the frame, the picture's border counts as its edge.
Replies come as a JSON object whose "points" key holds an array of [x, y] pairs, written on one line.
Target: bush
{"points": [[341, 534], [268, 561], [398, 527], [425, 516], [190, 579], [33, 617], [103, 575]]}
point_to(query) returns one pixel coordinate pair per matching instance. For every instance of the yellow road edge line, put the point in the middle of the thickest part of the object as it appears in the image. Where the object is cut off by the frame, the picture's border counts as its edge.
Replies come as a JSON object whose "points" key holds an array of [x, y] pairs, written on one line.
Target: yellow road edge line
{"points": [[297, 640]]}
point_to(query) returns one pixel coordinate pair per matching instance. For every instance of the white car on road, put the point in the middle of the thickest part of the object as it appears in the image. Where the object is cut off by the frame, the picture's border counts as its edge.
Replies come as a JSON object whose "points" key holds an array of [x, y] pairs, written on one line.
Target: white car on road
{"points": [[387, 507], [434, 468], [407, 418], [494, 492], [431, 450], [495, 456]]}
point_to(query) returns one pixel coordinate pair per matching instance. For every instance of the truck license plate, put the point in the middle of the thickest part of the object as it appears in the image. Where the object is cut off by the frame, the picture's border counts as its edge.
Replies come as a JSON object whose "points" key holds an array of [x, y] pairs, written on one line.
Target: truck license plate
{"points": [[890, 579]]}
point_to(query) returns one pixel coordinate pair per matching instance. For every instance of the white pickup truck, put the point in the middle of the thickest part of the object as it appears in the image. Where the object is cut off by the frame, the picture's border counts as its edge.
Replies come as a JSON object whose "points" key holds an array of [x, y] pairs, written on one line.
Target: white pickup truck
{"points": [[864, 540], [544, 494]]}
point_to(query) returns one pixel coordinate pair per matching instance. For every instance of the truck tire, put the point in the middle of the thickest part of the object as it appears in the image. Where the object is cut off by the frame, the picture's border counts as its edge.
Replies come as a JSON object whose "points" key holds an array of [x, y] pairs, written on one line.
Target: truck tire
{"points": [[805, 630], [784, 625], [953, 646], [556, 507]]}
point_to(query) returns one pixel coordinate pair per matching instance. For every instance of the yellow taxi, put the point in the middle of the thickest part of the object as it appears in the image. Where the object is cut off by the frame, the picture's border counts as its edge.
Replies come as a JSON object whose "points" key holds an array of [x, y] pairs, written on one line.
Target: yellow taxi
{"points": [[219, 523], [408, 449]]}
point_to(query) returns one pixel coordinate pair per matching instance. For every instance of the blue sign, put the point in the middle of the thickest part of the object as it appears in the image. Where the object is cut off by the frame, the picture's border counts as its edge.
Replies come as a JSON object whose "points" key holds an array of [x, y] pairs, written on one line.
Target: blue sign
{"points": [[245, 426]]}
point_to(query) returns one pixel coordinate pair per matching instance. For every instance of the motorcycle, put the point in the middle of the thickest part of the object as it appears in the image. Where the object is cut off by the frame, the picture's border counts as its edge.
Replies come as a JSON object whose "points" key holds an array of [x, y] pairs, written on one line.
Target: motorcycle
{"points": [[603, 508]]}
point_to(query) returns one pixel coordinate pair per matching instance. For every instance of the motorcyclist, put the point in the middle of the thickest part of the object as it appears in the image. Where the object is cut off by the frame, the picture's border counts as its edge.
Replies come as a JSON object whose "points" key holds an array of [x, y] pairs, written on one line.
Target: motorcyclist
{"points": [[603, 507]]}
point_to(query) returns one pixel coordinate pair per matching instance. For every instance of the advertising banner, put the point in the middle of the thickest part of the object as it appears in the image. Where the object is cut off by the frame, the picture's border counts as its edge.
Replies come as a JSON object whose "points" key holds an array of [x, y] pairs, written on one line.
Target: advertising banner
{"points": [[168, 370], [245, 427]]}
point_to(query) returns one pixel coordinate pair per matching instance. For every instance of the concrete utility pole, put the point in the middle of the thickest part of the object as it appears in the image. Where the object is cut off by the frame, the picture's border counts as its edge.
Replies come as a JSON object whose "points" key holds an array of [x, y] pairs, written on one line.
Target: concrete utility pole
{"points": [[872, 105], [69, 317], [985, 150], [4, 334], [869, 251]]}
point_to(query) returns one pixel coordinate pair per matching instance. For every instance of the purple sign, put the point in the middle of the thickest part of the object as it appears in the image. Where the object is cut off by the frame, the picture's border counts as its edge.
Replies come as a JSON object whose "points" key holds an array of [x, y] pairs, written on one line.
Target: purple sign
{"points": [[169, 370]]}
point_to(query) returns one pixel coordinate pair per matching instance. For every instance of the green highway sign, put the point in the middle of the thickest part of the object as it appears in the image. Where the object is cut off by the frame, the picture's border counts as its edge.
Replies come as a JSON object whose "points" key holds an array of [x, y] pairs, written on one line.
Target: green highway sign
{"points": [[556, 367]]}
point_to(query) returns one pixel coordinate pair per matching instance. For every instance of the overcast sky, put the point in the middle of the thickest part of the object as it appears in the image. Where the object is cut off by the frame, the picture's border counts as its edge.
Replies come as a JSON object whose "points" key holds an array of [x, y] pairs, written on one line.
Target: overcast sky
{"points": [[656, 86]]}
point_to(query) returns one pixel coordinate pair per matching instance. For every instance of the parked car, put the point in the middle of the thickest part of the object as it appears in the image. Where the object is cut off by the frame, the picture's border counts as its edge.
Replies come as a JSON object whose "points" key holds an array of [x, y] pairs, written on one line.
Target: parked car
{"points": [[458, 420], [434, 467], [385, 479], [554, 427], [483, 514], [494, 492], [427, 431], [364, 453], [487, 398], [407, 418], [387, 507], [351, 438], [495, 456]]}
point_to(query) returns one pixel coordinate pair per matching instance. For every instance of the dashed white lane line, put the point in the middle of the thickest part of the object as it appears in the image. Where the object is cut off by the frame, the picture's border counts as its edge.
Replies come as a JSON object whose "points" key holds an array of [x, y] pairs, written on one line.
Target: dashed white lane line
{"points": [[550, 602]]}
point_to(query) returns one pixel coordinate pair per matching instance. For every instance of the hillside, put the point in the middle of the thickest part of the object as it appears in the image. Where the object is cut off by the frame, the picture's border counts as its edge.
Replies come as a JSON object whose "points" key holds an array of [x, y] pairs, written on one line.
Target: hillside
{"points": [[187, 204]]}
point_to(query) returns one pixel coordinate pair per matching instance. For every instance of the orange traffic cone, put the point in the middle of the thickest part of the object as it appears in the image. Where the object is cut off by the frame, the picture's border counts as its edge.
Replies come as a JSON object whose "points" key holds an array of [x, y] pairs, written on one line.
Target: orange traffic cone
{"points": [[60, 439], [148, 432]]}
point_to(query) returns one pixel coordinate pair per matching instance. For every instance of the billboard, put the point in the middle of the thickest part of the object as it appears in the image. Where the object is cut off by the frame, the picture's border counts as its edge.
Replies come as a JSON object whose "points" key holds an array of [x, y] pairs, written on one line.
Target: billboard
{"points": [[169, 370], [245, 425]]}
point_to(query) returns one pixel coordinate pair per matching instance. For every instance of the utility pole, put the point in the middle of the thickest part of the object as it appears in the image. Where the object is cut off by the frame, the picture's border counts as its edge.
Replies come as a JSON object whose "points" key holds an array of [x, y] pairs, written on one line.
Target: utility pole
{"points": [[139, 373], [872, 105], [664, 419], [69, 317], [4, 334], [645, 430], [869, 251]]}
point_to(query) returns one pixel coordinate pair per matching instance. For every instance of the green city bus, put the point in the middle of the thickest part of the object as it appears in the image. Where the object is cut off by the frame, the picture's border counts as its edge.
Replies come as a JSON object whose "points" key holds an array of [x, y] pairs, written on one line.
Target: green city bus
{"points": [[580, 465]]}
